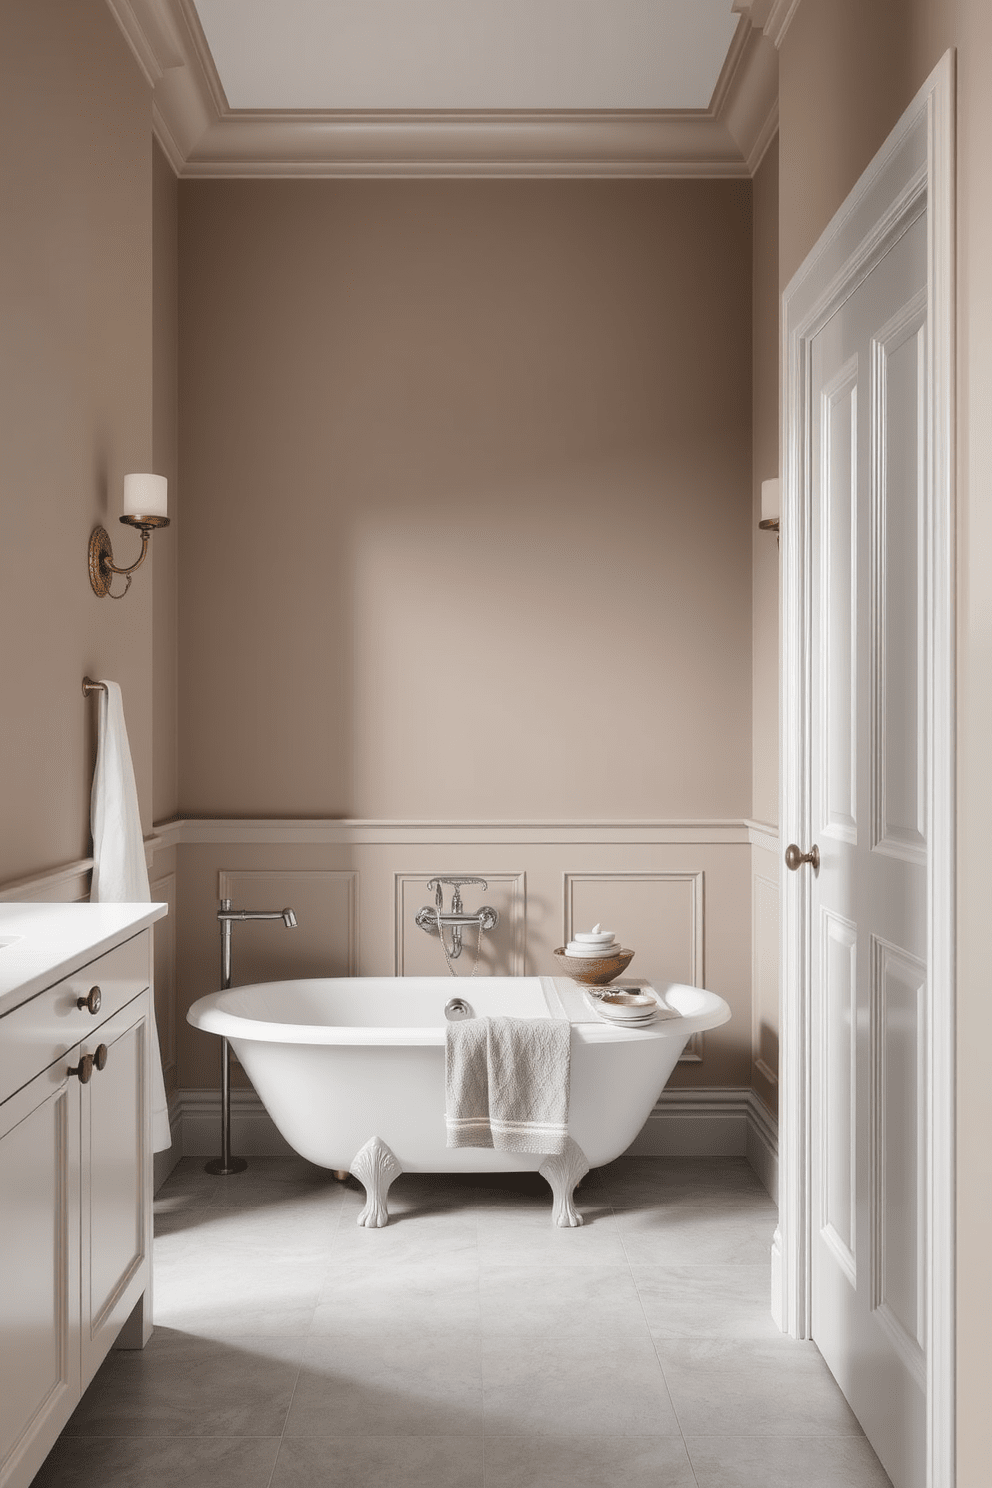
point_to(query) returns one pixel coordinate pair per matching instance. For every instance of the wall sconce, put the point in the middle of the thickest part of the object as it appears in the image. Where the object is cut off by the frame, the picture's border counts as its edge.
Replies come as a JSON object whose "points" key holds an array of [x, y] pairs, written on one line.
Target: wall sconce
{"points": [[145, 505], [771, 505]]}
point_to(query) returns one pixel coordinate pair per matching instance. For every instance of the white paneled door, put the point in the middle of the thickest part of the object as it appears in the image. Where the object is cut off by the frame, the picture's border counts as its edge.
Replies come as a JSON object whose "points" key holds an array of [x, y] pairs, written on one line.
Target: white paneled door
{"points": [[868, 981], [867, 1134]]}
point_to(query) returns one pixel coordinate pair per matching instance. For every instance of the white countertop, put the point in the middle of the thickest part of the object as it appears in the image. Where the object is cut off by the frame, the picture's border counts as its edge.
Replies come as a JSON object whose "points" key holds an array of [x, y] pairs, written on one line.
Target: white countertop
{"points": [[50, 941]]}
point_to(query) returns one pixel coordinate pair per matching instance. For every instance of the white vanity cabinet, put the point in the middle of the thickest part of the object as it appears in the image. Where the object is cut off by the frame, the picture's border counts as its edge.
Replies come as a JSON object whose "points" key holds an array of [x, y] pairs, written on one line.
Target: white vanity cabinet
{"points": [[75, 1192]]}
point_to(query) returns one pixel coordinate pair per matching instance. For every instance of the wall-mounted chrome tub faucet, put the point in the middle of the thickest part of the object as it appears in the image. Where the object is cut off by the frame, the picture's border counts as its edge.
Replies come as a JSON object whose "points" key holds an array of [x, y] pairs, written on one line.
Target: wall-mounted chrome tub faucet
{"points": [[226, 1164], [433, 917]]}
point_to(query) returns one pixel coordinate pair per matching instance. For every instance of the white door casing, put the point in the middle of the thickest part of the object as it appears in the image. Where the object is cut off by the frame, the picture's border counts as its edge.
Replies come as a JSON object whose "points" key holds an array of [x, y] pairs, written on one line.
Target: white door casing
{"points": [[894, 819]]}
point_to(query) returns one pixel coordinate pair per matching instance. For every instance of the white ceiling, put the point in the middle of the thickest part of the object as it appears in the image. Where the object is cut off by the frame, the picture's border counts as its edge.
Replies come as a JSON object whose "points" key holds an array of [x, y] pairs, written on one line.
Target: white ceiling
{"points": [[468, 54]]}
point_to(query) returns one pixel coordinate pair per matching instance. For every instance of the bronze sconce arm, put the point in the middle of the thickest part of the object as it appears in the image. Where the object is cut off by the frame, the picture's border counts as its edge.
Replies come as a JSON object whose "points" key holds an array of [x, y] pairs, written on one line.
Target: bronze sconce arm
{"points": [[102, 565]]}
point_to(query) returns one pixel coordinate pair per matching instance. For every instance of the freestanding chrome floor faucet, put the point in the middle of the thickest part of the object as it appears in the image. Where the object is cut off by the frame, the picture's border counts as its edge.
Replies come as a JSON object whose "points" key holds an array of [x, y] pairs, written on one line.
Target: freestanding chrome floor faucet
{"points": [[226, 1164]]}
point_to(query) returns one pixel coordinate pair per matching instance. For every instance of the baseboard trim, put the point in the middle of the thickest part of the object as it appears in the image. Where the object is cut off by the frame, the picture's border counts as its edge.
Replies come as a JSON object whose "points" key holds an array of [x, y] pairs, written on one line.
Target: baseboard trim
{"points": [[761, 1147], [253, 1132], [685, 1123]]}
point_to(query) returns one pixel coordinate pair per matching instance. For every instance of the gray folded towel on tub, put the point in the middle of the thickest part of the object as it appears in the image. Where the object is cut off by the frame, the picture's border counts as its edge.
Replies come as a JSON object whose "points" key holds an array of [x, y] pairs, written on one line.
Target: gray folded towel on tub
{"points": [[506, 1083]]}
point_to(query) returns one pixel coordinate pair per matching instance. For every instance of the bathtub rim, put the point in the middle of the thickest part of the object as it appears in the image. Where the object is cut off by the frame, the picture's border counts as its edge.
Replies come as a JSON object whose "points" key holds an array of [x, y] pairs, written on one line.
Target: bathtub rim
{"points": [[215, 1014]]}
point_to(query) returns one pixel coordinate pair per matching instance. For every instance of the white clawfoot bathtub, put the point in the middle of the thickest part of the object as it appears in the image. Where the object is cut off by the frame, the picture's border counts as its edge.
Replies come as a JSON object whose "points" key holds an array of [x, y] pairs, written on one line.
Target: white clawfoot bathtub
{"points": [[351, 1070]]}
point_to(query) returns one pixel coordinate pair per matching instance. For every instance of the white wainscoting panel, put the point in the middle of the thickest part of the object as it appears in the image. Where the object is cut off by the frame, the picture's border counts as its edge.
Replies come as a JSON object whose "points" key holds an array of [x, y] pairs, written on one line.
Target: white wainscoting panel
{"points": [[765, 904], [657, 915], [163, 891], [325, 941]]}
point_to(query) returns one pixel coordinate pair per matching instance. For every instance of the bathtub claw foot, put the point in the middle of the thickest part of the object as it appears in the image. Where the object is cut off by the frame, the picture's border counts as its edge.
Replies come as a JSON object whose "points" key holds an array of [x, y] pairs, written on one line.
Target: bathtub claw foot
{"points": [[375, 1167], [563, 1173]]}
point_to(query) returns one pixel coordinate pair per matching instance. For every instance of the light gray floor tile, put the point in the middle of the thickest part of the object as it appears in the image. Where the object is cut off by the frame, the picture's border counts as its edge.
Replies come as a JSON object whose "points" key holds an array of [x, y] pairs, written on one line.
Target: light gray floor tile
{"points": [[694, 1236], [290, 1228], [382, 1354], [587, 1462], [180, 1385], [403, 1383], [669, 1174], [706, 1301], [406, 1238], [188, 1176], [236, 1294], [119, 1462], [815, 1462], [536, 1238], [780, 1388], [379, 1462], [614, 1388], [362, 1295], [521, 1300]]}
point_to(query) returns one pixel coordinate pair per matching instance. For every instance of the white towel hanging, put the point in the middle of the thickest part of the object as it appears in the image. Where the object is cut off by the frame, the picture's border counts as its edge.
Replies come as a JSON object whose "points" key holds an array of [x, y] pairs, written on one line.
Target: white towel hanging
{"points": [[120, 874]]}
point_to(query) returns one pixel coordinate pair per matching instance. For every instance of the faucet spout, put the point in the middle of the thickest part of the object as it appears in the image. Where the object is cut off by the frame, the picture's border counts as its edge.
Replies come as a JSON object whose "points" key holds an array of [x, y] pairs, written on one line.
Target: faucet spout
{"points": [[226, 914]]}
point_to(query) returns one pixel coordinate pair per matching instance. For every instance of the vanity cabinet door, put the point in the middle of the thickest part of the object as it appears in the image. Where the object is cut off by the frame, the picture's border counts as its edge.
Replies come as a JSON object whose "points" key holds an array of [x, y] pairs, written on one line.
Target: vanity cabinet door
{"points": [[39, 1268], [116, 1184]]}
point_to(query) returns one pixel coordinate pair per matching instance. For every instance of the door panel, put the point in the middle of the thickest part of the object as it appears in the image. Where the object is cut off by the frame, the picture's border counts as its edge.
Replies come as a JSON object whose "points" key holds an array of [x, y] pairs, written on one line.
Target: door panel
{"points": [[840, 557], [868, 774], [898, 618], [115, 1200], [39, 1268], [839, 952]]}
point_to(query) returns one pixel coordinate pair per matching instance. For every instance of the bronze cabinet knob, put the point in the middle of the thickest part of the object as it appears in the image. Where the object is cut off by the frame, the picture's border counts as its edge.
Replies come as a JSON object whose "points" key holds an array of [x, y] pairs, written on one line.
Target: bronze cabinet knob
{"points": [[84, 1069], [91, 1002], [100, 1057]]}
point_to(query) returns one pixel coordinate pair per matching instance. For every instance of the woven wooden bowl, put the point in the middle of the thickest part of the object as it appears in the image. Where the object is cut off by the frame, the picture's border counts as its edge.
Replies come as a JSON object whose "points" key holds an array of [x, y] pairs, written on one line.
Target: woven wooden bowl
{"points": [[593, 971]]}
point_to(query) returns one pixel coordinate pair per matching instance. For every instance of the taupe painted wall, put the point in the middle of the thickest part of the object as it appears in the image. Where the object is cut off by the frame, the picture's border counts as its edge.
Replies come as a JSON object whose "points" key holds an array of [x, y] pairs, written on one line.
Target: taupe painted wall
{"points": [[847, 70], [765, 569], [165, 461], [452, 452], [75, 410]]}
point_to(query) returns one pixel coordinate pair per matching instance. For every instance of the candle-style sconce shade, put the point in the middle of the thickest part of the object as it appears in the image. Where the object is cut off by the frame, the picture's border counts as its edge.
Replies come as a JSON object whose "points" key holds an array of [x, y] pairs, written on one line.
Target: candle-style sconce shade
{"points": [[145, 507], [771, 504]]}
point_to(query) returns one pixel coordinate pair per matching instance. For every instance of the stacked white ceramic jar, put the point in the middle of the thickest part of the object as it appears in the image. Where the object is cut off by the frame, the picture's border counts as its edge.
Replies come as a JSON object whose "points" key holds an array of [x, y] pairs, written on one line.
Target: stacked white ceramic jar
{"points": [[592, 945]]}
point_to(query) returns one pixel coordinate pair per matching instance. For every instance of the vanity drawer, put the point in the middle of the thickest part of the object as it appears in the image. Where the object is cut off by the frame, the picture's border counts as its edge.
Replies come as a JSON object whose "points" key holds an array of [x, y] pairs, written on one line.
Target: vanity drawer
{"points": [[46, 1027]]}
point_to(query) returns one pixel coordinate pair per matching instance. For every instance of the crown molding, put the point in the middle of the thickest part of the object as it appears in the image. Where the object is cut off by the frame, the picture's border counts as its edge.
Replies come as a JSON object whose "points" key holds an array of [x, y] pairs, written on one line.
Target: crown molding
{"points": [[203, 137], [149, 32], [772, 17]]}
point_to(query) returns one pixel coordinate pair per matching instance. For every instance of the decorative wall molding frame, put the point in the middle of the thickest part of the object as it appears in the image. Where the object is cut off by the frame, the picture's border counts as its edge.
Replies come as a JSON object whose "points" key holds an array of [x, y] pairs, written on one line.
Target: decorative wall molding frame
{"points": [[234, 883], [695, 947], [204, 137], [512, 927]]}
